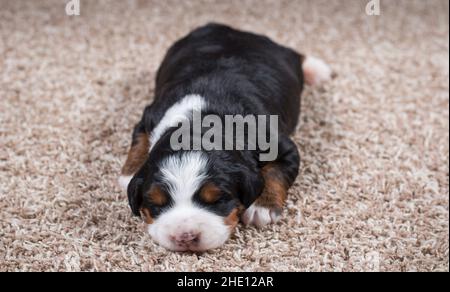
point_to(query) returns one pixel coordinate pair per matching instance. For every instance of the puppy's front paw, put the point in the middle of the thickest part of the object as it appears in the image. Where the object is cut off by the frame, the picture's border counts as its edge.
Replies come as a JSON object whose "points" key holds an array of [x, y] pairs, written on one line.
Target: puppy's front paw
{"points": [[260, 216], [124, 181]]}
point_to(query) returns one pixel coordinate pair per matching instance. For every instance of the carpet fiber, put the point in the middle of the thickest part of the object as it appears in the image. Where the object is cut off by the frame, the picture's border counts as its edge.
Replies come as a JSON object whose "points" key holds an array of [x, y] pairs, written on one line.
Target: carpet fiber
{"points": [[373, 194]]}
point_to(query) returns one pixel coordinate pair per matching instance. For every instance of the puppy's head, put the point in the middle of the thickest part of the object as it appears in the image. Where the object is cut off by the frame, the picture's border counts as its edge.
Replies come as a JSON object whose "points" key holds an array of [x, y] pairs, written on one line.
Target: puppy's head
{"points": [[191, 200]]}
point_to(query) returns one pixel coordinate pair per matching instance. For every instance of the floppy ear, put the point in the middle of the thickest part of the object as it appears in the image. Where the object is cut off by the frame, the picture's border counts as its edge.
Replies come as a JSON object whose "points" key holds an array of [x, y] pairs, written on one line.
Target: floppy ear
{"points": [[135, 197], [251, 184]]}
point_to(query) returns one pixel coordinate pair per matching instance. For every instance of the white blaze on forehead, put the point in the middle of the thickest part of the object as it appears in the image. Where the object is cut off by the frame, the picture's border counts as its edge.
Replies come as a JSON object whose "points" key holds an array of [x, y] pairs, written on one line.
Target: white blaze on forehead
{"points": [[184, 175], [176, 114]]}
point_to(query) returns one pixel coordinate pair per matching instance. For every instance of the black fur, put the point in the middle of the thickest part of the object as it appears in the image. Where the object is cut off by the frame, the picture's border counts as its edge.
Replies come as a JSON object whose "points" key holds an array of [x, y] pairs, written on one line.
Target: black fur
{"points": [[236, 73]]}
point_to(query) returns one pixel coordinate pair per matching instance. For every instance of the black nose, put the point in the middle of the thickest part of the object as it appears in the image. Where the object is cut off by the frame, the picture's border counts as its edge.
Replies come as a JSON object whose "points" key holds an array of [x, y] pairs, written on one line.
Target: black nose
{"points": [[186, 239]]}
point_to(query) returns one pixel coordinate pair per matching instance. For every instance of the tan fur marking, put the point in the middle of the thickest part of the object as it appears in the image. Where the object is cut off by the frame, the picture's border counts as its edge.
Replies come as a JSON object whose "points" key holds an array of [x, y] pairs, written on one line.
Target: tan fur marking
{"points": [[147, 216], [157, 196], [137, 155], [275, 190], [233, 219], [210, 193]]}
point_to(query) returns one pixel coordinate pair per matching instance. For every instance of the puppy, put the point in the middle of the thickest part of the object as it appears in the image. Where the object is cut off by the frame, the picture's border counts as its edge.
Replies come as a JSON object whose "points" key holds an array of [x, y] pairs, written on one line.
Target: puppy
{"points": [[192, 200]]}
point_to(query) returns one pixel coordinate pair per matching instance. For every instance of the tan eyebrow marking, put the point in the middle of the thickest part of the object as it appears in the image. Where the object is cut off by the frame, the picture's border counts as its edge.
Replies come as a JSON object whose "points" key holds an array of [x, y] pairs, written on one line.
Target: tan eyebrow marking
{"points": [[157, 196], [210, 193]]}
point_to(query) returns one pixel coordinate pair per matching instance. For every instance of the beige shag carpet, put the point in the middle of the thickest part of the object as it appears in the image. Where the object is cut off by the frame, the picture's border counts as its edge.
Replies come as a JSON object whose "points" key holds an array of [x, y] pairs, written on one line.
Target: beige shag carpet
{"points": [[373, 194]]}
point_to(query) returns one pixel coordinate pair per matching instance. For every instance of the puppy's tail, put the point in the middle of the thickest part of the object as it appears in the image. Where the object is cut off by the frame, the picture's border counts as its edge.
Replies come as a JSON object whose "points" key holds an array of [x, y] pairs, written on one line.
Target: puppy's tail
{"points": [[316, 71]]}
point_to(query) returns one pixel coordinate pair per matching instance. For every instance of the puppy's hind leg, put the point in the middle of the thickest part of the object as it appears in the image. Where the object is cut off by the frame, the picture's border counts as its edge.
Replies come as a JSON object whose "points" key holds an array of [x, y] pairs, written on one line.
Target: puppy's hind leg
{"points": [[316, 71]]}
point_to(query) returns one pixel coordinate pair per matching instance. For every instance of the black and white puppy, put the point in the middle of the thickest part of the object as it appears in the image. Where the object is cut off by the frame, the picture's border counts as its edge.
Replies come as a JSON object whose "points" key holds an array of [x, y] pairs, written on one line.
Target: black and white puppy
{"points": [[192, 200]]}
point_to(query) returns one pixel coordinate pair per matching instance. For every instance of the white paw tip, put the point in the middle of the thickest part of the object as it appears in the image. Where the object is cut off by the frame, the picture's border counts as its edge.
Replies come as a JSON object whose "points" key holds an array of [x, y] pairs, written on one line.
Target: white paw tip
{"points": [[316, 71], [124, 181], [260, 216]]}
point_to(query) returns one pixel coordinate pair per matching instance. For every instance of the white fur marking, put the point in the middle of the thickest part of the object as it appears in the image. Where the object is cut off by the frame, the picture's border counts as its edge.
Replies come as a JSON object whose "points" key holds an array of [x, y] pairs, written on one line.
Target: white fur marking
{"points": [[178, 220], [316, 71], [184, 175], [260, 216], [124, 181], [179, 112]]}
